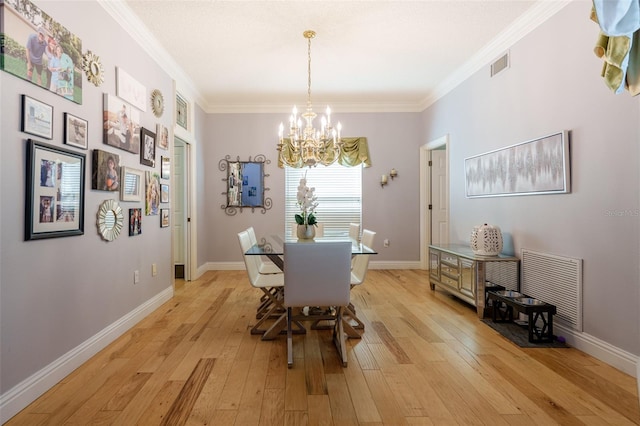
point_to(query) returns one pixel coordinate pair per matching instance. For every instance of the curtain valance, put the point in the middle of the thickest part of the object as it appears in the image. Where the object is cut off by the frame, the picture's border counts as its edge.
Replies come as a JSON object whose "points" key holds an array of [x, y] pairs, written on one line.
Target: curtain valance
{"points": [[354, 151]]}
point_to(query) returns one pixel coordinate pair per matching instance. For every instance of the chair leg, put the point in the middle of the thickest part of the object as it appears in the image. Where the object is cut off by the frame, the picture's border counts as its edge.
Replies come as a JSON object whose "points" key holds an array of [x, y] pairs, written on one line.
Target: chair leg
{"points": [[289, 340], [339, 337], [350, 314]]}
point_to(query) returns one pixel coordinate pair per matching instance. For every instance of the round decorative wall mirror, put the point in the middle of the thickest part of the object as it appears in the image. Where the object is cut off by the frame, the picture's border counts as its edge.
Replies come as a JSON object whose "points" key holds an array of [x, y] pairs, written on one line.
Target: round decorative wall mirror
{"points": [[110, 220]]}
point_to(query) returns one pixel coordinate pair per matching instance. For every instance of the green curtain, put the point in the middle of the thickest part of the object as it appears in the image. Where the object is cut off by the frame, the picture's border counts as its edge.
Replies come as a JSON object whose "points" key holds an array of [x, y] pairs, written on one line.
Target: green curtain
{"points": [[354, 151]]}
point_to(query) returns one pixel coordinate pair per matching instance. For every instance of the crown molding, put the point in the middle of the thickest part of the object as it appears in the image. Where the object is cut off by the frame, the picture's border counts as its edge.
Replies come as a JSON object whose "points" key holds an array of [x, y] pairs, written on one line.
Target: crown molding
{"points": [[528, 22], [539, 13]]}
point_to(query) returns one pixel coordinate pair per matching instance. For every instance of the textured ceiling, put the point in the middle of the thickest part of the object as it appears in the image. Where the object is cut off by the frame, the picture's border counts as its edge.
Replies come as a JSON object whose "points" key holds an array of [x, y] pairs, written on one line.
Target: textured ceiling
{"points": [[367, 55]]}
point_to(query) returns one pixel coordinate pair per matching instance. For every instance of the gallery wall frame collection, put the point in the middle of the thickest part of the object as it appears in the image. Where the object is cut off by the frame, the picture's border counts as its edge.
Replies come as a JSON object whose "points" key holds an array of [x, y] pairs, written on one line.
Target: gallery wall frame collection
{"points": [[537, 166], [54, 205]]}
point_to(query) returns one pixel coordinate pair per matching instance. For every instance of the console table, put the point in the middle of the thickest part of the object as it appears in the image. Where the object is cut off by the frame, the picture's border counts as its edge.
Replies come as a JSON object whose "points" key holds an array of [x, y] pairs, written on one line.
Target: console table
{"points": [[457, 270]]}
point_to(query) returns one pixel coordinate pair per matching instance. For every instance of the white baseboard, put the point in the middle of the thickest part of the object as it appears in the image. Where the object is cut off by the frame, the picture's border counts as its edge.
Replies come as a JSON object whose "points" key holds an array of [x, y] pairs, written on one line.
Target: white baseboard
{"points": [[27, 391], [605, 352]]}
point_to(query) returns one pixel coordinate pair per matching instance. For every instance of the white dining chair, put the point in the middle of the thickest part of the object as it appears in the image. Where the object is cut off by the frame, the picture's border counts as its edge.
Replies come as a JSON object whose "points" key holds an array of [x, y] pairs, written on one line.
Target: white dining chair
{"points": [[358, 274], [271, 286], [354, 231], [317, 274], [264, 267]]}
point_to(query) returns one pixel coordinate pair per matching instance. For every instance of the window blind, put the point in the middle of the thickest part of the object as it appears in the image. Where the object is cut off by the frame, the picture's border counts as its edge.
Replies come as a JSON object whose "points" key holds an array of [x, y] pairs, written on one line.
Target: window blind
{"points": [[339, 192]]}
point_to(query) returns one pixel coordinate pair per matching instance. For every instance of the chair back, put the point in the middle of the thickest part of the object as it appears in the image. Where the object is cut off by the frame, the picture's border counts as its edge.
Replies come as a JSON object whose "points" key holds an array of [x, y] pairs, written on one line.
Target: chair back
{"points": [[354, 231], [317, 274], [361, 261], [250, 262]]}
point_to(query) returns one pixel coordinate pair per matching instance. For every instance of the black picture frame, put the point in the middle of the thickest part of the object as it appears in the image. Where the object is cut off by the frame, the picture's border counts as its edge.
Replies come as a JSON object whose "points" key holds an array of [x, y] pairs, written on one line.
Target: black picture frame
{"points": [[76, 131], [54, 201], [37, 118], [147, 147]]}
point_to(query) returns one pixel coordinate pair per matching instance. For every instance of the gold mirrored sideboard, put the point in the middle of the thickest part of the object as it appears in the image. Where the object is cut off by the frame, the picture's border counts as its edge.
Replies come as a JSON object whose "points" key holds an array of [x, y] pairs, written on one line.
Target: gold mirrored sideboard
{"points": [[457, 270]]}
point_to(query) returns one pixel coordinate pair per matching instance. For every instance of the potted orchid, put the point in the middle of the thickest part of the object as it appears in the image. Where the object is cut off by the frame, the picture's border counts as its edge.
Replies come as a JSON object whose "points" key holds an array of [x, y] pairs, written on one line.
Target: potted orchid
{"points": [[306, 219]]}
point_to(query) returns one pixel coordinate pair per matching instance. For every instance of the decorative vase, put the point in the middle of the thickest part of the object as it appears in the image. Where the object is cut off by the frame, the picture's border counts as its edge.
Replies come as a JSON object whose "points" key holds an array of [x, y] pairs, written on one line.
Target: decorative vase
{"points": [[486, 240], [306, 232]]}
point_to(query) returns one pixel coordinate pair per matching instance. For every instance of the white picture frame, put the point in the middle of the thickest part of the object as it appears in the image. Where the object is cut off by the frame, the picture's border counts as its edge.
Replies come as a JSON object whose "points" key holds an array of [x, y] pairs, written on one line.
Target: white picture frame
{"points": [[130, 90], [131, 184]]}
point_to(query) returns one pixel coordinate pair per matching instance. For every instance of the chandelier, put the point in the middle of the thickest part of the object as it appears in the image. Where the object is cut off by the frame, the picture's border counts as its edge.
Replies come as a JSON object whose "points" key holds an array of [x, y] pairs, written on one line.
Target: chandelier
{"points": [[309, 146]]}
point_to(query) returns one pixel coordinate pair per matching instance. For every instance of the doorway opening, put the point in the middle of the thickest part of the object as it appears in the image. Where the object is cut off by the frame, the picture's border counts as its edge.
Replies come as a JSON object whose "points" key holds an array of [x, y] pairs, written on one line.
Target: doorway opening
{"points": [[182, 253], [434, 196]]}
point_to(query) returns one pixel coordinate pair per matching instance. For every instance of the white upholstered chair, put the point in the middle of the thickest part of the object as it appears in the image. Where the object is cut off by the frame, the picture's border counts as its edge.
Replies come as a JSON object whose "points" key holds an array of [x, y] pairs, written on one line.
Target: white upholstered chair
{"points": [[354, 231], [358, 274], [264, 267], [317, 274], [270, 284]]}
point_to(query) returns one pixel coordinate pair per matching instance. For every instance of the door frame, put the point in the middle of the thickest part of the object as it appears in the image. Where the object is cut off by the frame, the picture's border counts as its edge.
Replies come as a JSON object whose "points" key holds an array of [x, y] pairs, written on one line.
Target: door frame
{"points": [[425, 194]]}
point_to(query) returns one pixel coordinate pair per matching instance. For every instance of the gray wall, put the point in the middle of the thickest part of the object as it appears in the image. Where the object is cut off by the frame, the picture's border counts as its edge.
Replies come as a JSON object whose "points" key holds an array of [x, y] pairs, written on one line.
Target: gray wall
{"points": [[391, 211], [56, 294], [554, 84]]}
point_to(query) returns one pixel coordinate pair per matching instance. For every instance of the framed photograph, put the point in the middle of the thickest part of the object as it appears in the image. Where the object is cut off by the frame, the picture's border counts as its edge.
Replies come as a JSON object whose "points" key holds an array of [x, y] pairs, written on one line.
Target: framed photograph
{"points": [[152, 194], [37, 118], [162, 133], [26, 27], [131, 187], [105, 171], [538, 166], [164, 193], [129, 89], [147, 147], [75, 131], [164, 218], [54, 204], [121, 128], [165, 167], [135, 222], [181, 112]]}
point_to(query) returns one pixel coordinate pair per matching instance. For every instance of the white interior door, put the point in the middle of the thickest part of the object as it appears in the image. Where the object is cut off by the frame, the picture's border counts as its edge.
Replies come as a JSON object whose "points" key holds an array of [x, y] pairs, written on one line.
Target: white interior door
{"points": [[439, 197], [181, 245]]}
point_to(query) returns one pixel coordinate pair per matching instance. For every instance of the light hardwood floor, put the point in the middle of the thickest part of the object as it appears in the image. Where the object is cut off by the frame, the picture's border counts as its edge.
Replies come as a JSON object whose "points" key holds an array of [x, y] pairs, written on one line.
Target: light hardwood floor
{"points": [[425, 358]]}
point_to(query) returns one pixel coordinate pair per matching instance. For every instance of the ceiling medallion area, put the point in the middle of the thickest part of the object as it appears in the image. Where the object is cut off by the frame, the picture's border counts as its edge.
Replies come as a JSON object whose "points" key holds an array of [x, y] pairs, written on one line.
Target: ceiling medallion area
{"points": [[92, 67]]}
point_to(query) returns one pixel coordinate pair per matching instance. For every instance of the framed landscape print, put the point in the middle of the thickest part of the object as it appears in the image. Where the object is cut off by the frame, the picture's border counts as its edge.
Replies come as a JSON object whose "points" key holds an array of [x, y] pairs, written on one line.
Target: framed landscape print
{"points": [[147, 147], [37, 118], [75, 131], [121, 128], [538, 166], [27, 29], [55, 192]]}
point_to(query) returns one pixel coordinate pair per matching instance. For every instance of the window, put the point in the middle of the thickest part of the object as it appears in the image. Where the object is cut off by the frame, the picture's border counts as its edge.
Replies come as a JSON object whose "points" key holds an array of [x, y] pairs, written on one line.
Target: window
{"points": [[339, 192]]}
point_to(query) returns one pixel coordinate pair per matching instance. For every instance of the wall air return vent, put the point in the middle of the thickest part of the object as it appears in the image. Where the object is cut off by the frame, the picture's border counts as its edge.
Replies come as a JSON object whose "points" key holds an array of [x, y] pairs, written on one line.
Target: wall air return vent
{"points": [[500, 64]]}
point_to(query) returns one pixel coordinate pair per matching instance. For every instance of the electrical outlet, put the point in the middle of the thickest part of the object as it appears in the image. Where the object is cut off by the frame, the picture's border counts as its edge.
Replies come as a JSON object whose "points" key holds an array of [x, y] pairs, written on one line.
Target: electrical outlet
{"points": [[136, 277], [386, 242], [154, 270]]}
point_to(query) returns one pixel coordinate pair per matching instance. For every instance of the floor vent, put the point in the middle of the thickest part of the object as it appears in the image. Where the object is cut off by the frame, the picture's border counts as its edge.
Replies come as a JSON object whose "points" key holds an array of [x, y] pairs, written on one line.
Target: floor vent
{"points": [[556, 280], [500, 64]]}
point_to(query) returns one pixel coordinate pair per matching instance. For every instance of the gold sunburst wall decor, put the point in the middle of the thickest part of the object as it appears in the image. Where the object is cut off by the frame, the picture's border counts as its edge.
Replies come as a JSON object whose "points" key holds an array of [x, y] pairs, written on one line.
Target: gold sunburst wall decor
{"points": [[92, 67], [157, 103]]}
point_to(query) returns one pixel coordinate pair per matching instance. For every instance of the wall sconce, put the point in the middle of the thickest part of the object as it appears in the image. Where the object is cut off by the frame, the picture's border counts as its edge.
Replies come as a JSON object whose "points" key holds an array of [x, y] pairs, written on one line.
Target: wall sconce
{"points": [[393, 173], [383, 181]]}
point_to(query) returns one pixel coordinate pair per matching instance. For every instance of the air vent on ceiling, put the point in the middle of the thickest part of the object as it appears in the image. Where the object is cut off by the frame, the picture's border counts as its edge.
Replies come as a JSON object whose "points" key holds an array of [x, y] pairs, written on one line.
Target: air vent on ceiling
{"points": [[500, 64]]}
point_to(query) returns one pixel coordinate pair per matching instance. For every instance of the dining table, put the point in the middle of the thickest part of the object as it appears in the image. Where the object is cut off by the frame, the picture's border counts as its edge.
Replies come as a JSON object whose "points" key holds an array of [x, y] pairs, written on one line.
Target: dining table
{"points": [[272, 246]]}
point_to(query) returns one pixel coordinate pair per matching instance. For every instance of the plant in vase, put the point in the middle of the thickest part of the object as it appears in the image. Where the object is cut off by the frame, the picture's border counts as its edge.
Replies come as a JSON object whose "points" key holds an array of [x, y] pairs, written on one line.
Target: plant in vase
{"points": [[306, 219]]}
